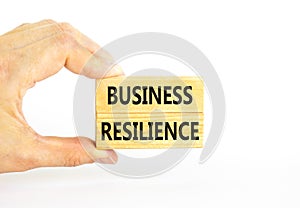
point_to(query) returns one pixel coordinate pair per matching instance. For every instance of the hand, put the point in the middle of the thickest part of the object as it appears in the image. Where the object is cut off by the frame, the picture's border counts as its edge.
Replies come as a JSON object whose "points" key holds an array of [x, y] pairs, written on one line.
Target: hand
{"points": [[28, 54]]}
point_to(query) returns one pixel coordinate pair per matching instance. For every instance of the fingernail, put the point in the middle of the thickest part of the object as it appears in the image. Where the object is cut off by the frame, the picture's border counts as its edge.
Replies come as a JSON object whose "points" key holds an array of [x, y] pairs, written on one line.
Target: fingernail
{"points": [[111, 158], [115, 71]]}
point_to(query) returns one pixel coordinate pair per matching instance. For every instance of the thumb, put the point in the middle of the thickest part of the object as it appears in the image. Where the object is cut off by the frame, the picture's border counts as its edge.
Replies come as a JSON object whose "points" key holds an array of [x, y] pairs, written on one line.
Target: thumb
{"points": [[71, 151]]}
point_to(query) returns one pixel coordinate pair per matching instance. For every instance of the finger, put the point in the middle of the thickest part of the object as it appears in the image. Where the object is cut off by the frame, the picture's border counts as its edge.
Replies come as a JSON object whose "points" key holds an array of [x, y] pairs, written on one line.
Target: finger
{"points": [[37, 31], [27, 34], [56, 151], [32, 26], [63, 45], [63, 50], [81, 61], [100, 56], [80, 37]]}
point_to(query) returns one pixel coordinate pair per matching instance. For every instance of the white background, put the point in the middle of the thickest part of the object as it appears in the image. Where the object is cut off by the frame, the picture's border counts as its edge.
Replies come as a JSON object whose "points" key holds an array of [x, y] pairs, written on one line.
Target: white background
{"points": [[254, 46]]}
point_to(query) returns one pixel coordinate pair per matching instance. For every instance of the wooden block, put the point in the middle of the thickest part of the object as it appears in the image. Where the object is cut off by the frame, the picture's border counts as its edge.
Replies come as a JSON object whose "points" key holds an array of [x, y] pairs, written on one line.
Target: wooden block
{"points": [[173, 130], [154, 82], [149, 112]]}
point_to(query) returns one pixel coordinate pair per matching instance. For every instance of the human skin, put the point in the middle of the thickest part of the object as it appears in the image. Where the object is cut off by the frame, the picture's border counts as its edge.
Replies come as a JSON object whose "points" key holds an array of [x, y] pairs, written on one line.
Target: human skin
{"points": [[31, 53]]}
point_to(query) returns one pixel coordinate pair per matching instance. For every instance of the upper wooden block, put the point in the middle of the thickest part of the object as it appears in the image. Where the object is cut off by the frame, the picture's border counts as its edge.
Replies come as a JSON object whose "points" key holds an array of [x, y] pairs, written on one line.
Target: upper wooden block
{"points": [[168, 94]]}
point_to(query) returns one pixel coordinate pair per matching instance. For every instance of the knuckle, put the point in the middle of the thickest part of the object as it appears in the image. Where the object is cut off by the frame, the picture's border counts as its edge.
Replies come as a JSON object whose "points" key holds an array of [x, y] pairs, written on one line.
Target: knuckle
{"points": [[65, 40], [22, 25], [48, 21], [65, 37], [65, 27], [69, 29], [72, 160]]}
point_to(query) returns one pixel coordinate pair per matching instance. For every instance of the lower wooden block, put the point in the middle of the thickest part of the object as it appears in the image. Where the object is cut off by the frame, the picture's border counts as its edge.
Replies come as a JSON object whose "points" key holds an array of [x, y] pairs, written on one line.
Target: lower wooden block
{"points": [[169, 130]]}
